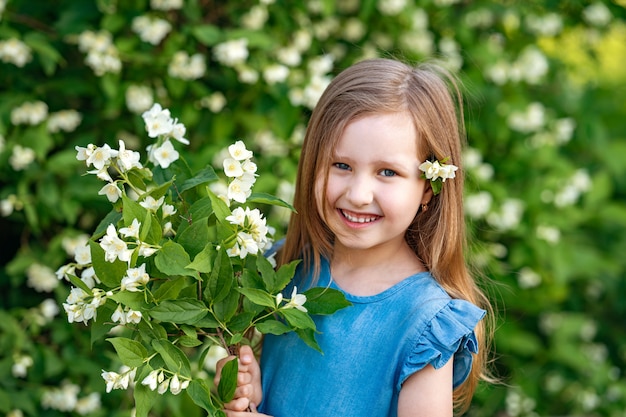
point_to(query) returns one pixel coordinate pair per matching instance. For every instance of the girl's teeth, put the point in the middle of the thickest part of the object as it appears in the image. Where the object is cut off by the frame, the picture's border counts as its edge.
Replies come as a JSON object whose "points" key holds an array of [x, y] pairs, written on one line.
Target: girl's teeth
{"points": [[359, 219]]}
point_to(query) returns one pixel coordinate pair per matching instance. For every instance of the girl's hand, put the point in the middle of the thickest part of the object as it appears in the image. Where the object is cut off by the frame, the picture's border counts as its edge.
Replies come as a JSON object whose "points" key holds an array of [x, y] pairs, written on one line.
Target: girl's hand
{"points": [[252, 413], [249, 391]]}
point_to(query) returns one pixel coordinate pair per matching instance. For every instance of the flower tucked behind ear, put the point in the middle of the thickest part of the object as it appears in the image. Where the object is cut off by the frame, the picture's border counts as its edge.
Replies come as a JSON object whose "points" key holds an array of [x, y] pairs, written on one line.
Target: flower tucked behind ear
{"points": [[435, 171]]}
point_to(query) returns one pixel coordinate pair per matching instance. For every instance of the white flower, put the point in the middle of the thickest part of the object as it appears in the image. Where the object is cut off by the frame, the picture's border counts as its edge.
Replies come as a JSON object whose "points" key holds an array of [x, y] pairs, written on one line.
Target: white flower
{"points": [[151, 30], [145, 250], [118, 315], [133, 316], [101, 156], [21, 157], [151, 204], [16, 52], [139, 98], [232, 168], [178, 131], [66, 120], [548, 233], [82, 255], [168, 210], [166, 5], [163, 386], [215, 102], [239, 152], [239, 190], [111, 191], [597, 14], [275, 73], [158, 121], [187, 67], [19, 369], [232, 53], [478, 205], [151, 380], [391, 7], [435, 170], [41, 278], [297, 300], [88, 405], [126, 158], [114, 247], [165, 154], [132, 230], [135, 277], [528, 278], [49, 308]]}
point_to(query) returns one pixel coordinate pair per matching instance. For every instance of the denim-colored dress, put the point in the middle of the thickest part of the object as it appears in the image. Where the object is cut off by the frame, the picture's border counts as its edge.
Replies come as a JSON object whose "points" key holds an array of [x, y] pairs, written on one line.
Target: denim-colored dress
{"points": [[369, 350]]}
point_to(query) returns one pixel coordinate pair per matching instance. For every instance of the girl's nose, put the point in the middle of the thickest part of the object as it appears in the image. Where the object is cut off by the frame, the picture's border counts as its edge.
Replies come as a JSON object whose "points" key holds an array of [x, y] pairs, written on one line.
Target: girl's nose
{"points": [[360, 192]]}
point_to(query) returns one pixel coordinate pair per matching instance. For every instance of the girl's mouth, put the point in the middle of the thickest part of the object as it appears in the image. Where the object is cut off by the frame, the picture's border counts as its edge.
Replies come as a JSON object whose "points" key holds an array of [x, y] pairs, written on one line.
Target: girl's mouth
{"points": [[359, 218]]}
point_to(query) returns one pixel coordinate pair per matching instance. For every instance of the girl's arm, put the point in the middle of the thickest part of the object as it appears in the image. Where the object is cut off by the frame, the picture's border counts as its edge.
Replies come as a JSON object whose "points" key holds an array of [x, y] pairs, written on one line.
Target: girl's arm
{"points": [[249, 391], [427, 393]]}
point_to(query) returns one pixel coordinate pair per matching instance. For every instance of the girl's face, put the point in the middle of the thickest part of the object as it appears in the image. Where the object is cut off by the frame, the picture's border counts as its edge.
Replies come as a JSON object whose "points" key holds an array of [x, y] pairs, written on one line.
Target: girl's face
{"points": [[374, 188]]}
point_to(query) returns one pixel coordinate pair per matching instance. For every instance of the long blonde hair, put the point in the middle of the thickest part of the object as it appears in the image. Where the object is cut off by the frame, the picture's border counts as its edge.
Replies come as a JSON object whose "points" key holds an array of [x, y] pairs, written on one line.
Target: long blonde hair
{"points": [[431, 96]]}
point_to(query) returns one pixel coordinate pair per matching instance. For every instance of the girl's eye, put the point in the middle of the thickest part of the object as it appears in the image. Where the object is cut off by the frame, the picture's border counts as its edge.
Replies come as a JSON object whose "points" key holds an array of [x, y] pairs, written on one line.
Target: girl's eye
{"points": [[388, 173], [341, 165]]}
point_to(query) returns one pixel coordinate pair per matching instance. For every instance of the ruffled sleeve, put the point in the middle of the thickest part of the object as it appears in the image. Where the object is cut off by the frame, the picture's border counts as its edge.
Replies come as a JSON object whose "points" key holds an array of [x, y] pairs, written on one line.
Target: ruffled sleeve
{"points": [[449, 333]]}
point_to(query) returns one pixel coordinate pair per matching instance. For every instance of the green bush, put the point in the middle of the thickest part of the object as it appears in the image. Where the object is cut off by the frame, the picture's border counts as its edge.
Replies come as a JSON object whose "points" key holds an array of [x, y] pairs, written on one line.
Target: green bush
{"points": [[546, 164]]}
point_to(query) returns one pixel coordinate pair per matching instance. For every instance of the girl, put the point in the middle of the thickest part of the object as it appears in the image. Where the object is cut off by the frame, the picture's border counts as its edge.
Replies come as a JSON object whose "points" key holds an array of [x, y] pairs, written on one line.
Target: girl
{"points": [[379, 216]]}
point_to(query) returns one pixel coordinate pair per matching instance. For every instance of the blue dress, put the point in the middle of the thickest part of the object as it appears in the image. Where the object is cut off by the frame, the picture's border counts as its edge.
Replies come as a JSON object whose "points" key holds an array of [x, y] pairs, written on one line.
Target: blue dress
{"points": [[369, 350]]}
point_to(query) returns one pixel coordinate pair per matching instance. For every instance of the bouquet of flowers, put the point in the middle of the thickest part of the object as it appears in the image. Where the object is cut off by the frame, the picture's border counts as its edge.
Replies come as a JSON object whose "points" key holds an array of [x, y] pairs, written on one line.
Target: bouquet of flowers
{"points": [[176, 268]]}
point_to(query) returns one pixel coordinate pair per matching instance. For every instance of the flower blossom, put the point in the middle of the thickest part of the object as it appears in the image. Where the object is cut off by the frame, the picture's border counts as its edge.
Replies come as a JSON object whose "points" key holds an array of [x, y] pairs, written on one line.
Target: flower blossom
{"points": [[149, 203], [139, 98], [296, 301], [111, 191], [127, 159], [21, 157], [116, 380], [41, 278], [232, 53], [151, 30], [64, 120], [435, 170], [187, 67], [29, 113], [134, 278], [114, 247], [16, 52], [158, 121], [82, 306]]}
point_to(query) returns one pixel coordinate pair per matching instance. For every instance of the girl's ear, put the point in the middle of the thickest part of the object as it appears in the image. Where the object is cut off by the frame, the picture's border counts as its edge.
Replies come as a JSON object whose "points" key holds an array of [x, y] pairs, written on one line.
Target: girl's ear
{"points": [[428, 193]]}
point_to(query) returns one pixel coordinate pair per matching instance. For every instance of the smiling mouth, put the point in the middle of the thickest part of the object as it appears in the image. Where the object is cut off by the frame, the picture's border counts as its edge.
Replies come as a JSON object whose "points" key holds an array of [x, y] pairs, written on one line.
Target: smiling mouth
{"points": [[359, 218]]}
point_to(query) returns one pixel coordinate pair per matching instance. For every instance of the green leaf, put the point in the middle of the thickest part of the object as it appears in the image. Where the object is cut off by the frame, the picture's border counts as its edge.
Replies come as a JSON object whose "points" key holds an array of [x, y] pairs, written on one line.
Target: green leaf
{"points": [[221, 279], [109, 273], [220, 208], [228, 381], [273, 327], [202, 177], [308, 337], [298, 319], [181, 311], [152, 330], [285, 274], [203, 262], [194, 237], [172, 259], [132, 210], [144, 399], [130, 352], [200, 394], [264, 198], [170, 289], [112, 217], [267, 273], [79, 283], [224, 310], [259, 297], [325, 300], [174, 358], [207, 35]]}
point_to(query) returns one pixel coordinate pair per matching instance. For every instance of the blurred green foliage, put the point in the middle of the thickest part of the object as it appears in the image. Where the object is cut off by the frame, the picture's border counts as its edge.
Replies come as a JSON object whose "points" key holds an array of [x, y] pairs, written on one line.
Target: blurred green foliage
{"points": [[546, 165]]}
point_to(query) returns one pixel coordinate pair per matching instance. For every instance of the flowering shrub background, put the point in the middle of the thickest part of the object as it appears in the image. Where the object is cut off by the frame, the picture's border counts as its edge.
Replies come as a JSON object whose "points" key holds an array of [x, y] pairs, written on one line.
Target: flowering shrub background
{"points": [[546, 165]]}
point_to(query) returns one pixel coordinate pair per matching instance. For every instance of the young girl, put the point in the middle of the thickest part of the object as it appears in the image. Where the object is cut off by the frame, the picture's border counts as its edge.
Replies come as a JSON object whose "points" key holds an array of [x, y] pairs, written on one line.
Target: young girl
{"points": [[380, 217]]}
